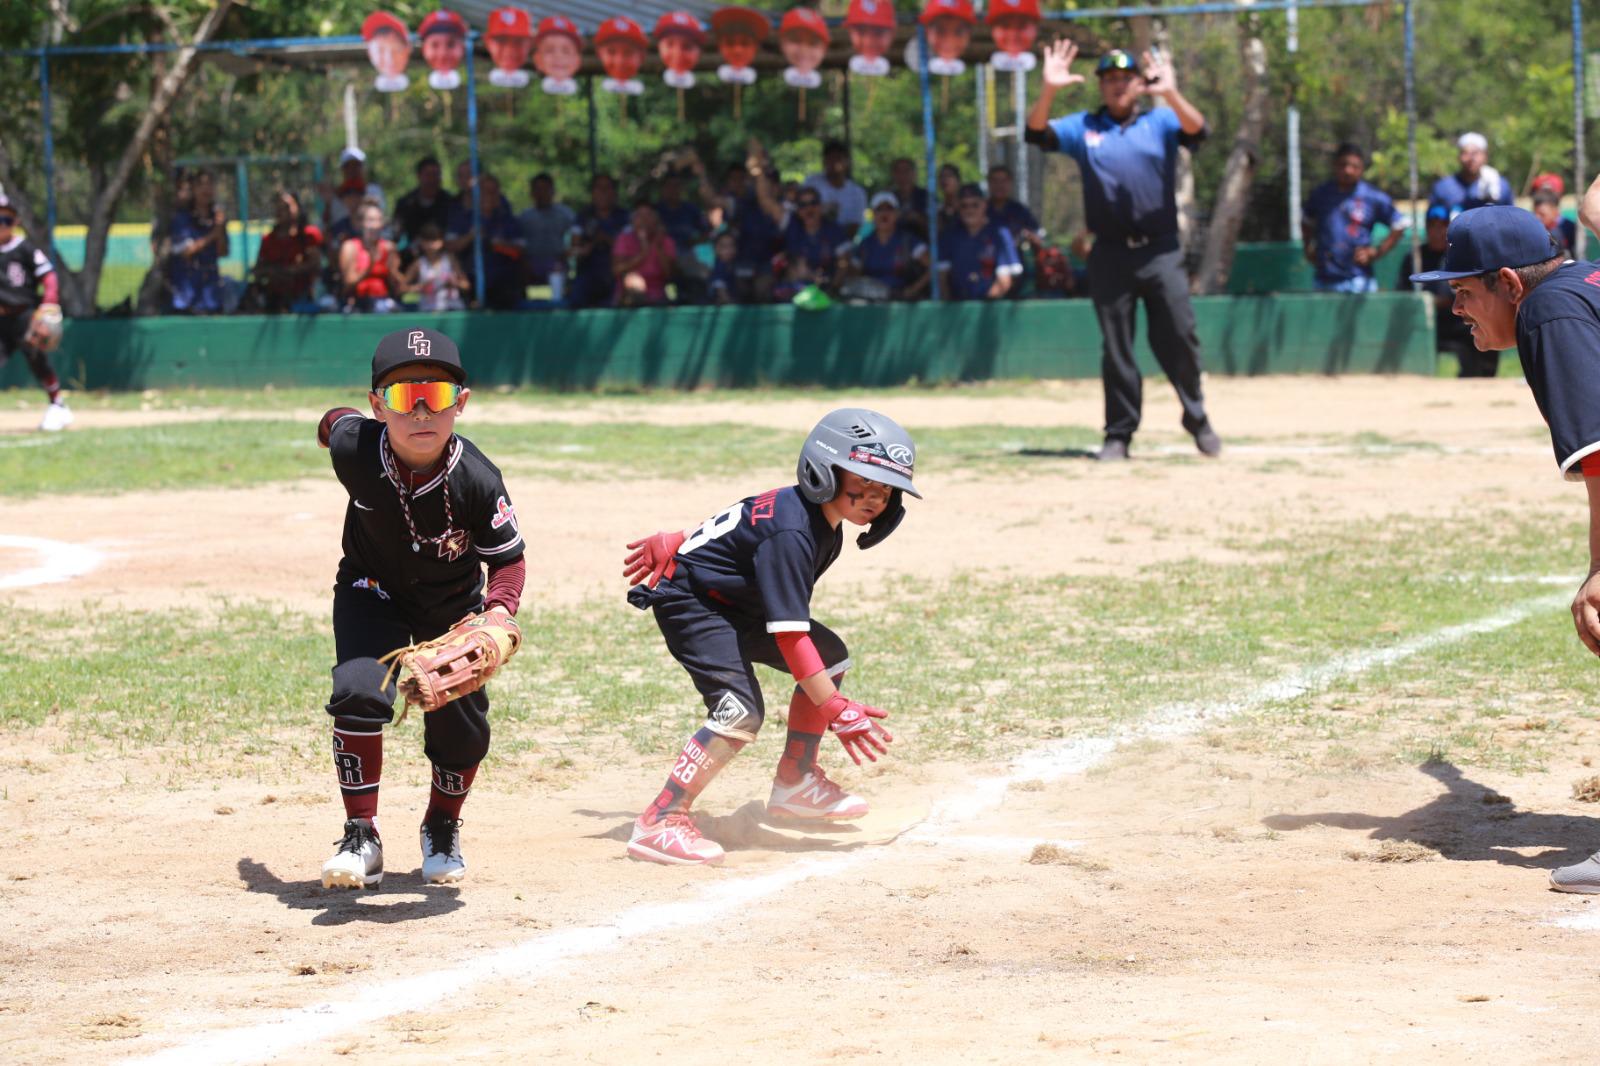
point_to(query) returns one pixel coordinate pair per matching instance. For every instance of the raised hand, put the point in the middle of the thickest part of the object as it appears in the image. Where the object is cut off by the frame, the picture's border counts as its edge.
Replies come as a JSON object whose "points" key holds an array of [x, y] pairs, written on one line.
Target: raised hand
{"points": [[1158, 75], [1058, 57]]}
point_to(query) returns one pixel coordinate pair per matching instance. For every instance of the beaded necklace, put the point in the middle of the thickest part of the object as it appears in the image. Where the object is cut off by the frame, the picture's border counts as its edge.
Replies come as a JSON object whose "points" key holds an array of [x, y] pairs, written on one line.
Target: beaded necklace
{"points": [[450, 541]]}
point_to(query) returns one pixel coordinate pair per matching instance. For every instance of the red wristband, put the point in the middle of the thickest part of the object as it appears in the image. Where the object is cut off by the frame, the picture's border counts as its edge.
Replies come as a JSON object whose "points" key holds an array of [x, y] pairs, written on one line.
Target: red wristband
{"points": [[799, 654]]}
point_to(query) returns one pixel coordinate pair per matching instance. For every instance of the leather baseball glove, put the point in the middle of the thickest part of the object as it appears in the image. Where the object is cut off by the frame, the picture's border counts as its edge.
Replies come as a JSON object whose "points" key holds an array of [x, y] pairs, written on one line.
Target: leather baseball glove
{"points": [[44, 330], [458, 661]]}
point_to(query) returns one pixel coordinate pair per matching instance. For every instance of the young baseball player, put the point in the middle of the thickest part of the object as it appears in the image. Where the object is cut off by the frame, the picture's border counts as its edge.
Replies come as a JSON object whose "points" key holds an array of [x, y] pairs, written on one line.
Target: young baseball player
{"points": [[427, 511], [26, 322], [736, 591]]}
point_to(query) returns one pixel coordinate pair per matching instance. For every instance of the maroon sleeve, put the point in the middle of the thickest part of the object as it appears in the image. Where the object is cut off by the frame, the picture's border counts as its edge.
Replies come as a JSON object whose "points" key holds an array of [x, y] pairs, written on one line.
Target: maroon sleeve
{"points": [[505, 584], [326, 425]]}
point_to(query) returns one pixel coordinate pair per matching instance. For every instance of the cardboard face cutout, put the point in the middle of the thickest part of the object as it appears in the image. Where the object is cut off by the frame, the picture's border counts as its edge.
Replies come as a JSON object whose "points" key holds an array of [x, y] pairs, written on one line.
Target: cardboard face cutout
{"points": [[621, 45], [557, 54], [679, 38], [803, 40], [389, 50], [871, 26], [510, 40], [949, 24], [444, 46], [739, 32], [1015, 27]]}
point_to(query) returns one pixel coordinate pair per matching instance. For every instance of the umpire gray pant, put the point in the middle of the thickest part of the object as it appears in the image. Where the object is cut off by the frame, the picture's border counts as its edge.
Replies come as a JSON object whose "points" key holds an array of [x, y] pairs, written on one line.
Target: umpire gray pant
{"points": [[1119, 277]]}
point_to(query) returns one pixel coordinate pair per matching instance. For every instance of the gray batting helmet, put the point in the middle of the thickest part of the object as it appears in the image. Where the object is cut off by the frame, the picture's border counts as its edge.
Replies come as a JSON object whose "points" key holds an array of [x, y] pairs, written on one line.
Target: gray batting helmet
{"points": [[868, 444]]}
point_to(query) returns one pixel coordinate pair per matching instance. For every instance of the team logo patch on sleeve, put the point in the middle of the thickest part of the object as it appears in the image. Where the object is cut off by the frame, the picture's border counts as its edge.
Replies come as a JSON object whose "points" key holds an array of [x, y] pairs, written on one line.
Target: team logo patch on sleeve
{"points": [[503, 513]]}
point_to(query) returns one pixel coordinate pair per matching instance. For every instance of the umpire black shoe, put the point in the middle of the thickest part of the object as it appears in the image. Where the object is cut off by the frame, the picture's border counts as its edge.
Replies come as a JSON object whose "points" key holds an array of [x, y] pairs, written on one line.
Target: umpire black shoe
{"points": [[359, 861], [1112, 451], [1208, 442]]}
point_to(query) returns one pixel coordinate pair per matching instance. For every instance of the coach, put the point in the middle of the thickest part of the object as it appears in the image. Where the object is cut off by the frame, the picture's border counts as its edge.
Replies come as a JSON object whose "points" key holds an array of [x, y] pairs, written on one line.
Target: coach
{"points": [[1129, 163], [1514, 285]]}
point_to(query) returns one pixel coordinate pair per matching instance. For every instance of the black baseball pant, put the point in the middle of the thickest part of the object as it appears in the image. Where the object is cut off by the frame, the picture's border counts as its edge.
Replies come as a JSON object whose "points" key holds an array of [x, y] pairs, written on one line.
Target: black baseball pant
{"points": [[366, 626], [1119, 277], [13, 328]]}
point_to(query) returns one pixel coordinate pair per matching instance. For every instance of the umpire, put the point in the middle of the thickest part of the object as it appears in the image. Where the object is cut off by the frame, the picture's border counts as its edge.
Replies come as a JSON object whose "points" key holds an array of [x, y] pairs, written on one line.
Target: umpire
{"points": [[1514, 285], [1129, 164]]}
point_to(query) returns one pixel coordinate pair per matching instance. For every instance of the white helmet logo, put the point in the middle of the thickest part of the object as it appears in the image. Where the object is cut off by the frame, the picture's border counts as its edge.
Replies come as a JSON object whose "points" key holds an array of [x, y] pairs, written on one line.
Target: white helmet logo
{"points": [[419, 344], [901, 454]]}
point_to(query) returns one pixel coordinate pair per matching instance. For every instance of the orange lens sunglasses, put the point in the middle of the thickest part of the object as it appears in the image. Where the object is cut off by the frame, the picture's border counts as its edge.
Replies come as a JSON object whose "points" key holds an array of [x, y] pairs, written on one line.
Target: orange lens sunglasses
{"points": [[402, 396]]}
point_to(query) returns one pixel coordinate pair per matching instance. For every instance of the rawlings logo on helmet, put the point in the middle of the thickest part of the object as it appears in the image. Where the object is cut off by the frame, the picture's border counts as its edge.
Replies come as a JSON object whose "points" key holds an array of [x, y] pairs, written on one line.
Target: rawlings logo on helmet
{"points": [[901, 453]]}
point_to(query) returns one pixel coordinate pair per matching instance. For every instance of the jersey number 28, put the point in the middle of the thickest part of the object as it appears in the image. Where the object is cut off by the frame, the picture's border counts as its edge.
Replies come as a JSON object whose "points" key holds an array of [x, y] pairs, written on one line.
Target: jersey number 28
{"points": [[712, 528]]}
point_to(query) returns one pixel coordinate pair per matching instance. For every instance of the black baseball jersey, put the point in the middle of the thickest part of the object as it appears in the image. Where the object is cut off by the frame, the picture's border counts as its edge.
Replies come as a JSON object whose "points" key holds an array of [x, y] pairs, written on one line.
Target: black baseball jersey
{"points": [[443, 573], [761, 558], [21, 267], [1558, 338]]}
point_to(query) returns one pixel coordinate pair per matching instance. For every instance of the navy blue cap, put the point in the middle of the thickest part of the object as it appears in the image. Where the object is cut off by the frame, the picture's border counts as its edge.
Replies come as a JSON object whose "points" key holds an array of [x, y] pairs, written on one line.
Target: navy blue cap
{"points": [[1116, 59], [417, 345], [1487, 238]]}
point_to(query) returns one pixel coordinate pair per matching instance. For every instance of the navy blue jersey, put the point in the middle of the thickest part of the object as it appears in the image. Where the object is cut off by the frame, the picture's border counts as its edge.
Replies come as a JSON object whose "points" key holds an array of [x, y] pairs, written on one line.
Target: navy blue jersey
{"points": [[820, 249], [1558, 338], [1458, 196], [1343, 222], [761, 558], [893, 262], [974, 260], [1015, 217], [445, 574], [1130, 170]]}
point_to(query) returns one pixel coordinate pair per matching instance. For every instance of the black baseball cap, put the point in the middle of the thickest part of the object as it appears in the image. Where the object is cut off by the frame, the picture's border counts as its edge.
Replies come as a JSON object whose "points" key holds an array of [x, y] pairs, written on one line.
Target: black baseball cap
{"points": [[417, 345], [1487, 238]]}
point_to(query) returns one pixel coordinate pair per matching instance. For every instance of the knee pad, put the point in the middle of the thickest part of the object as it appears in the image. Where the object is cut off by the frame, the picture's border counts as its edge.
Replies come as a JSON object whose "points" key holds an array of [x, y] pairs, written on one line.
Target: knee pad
{"points": [[359, 692], [728, 715]]}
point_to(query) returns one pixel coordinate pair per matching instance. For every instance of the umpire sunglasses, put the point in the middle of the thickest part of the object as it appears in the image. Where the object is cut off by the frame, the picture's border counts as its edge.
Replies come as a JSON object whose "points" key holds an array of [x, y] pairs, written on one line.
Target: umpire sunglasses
{"points": [[402, 396]]}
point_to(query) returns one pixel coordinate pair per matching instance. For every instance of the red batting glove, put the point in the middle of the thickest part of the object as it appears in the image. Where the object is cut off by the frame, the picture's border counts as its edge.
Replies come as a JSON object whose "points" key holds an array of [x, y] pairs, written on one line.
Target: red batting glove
{"points": [[855, 725], [651, 558]]}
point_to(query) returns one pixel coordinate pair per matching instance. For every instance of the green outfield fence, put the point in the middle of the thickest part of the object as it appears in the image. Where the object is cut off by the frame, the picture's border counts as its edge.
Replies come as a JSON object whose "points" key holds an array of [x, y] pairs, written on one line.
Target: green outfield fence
{"points": [[701, 347]]}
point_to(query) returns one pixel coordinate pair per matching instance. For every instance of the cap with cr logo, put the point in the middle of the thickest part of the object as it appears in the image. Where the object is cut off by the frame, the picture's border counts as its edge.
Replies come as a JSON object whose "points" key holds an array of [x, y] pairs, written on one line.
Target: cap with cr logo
{"points": [[428, 347]]}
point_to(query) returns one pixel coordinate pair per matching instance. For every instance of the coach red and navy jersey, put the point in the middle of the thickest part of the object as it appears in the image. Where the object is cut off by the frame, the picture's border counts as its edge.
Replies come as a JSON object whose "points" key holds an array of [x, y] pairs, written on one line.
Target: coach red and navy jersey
{"points": [[21, 267], [459, 519], [1558, 338], [760, 558]]}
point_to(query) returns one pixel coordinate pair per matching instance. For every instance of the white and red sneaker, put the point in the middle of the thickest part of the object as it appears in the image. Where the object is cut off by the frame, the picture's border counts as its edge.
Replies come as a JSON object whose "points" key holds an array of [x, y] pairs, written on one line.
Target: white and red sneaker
{"points": [[673, 839], [816, 798]]}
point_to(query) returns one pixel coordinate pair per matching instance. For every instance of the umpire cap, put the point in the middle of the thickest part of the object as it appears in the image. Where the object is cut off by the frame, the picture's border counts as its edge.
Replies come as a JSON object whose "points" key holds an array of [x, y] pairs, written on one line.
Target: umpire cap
{"points": [[417, 345]]}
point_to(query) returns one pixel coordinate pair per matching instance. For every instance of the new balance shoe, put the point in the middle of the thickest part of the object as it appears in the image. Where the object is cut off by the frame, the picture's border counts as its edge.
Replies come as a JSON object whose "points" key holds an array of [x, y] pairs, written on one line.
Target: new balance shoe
{"points": [[442, 863], [359, 861], [815, 797], [1581, 877], [57, 416], [673, 839]]}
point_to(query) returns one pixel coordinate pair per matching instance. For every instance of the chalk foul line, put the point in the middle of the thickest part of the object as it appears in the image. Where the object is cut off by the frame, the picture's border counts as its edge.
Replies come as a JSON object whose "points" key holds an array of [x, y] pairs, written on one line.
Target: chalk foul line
{"points": [[297, 1027], [57, 561]]}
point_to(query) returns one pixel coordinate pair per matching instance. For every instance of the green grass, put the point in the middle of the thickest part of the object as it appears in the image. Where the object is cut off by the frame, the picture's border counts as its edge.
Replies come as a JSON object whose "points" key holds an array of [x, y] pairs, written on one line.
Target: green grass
{"points": [[239, 452], [970, 667]]}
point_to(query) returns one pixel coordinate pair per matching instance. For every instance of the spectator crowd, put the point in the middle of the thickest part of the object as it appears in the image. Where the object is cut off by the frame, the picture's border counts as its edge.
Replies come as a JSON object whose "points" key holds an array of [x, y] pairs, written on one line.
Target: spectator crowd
{"points": [[681, 238]]}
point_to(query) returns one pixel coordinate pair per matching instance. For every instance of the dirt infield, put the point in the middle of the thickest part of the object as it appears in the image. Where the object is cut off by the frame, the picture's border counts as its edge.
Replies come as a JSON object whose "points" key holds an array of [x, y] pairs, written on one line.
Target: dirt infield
{"points": [[1186, 899]]}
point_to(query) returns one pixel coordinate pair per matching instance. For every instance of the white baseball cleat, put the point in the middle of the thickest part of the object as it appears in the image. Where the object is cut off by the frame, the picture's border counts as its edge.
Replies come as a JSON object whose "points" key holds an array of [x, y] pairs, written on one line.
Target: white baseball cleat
{"points": [[815, 797], [57, 416], [1582, 877], [673, 839], [442, 863], [359, 861]]}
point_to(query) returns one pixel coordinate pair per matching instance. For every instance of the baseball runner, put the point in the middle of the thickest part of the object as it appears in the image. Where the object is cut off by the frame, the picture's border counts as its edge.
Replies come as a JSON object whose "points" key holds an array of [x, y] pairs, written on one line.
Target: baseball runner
{"points": [[1513, 285], [427, 511], [28, 324], [736, 591]]}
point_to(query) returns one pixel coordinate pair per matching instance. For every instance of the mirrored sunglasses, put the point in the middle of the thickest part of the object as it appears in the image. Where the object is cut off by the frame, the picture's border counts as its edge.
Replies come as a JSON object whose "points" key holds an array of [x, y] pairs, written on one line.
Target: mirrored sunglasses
{"points": [[402, 396]]}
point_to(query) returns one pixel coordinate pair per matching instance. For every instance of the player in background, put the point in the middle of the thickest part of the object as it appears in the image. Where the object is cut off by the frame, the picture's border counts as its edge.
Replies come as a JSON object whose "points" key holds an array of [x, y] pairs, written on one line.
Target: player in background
{"points": [[736, 591], [427, 511], [24, 270], [1513, 285]]}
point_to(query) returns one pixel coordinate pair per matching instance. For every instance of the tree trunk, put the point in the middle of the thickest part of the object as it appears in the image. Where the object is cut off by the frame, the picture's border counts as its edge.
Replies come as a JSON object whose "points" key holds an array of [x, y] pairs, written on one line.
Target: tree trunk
{"points": [[152, 296], [1233, 196], [78, 287]]}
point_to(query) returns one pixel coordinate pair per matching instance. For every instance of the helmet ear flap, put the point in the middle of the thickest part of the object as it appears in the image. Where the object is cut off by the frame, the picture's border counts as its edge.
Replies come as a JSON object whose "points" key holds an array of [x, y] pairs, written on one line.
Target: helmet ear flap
{"points": [[818, 481], [884, 524]]}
